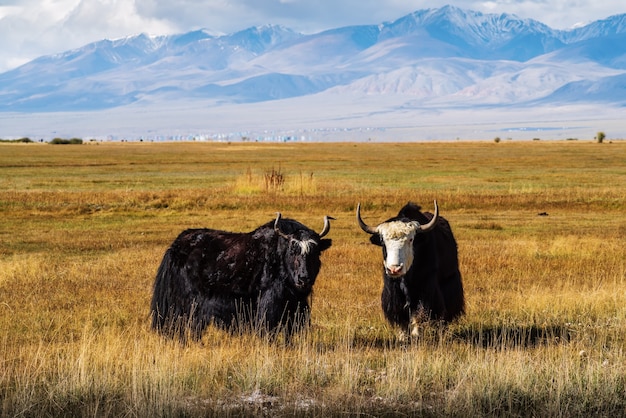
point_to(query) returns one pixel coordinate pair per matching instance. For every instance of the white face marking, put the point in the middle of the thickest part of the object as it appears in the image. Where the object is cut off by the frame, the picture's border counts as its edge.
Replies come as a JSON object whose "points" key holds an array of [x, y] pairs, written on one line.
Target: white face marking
{"points": [[398, 239], [305, 246]]}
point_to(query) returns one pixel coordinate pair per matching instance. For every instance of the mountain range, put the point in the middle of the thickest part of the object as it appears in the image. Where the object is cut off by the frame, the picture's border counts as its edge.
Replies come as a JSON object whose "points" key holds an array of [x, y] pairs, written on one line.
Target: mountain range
{"points": [[444, 56]]}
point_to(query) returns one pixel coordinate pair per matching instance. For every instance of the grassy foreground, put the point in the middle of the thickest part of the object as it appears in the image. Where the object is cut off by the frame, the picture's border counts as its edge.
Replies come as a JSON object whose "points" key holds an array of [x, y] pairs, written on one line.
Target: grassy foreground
{"points": [[83, 229]]}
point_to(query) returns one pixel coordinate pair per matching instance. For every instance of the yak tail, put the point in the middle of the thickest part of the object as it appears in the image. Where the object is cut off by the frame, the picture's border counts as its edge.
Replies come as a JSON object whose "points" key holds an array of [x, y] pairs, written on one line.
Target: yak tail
{"points": [[161, 305], [170, 313]]}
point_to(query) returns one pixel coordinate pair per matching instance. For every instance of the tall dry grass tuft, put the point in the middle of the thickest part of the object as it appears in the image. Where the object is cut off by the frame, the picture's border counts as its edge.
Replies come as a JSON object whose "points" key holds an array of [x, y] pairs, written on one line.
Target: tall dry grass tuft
{"points": [[275, 181]]}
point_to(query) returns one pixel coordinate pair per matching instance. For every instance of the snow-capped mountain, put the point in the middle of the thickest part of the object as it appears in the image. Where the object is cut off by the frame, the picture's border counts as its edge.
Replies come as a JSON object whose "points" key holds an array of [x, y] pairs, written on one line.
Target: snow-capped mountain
{"points": [[445, 56], [613, 25]]}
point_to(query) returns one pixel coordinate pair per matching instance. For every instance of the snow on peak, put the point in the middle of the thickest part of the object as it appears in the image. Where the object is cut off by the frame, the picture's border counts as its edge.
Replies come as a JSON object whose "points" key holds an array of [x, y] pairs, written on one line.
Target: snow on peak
{"points": [[435, 54]]}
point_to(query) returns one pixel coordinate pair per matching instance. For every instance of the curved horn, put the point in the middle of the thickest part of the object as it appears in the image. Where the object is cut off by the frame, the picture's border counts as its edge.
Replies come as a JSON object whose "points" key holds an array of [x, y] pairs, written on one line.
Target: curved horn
{"points": [[362, 224], [326, 225], [277, 229], [430, 225]]}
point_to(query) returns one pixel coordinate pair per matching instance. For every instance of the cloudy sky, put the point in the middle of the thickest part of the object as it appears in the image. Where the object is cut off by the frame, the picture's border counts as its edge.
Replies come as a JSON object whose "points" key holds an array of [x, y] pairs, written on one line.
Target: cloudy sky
{"points": [[31, 28]]}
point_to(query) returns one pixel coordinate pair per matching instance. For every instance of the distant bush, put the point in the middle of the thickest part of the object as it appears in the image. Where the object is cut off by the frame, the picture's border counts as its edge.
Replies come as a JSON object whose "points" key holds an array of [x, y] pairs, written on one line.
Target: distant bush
{"points": [[62, 141], [600, 137], [496, 139], [21, 140]]}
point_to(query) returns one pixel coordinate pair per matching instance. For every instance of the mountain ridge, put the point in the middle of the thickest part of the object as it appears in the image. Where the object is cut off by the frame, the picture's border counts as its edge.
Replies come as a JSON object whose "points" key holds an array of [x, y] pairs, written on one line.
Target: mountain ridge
{"points": [[435, 55]]}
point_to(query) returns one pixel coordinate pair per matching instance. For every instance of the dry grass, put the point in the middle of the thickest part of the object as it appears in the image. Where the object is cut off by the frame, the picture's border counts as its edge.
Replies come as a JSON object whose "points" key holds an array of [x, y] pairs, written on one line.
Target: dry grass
{"points": [[83, 229]]}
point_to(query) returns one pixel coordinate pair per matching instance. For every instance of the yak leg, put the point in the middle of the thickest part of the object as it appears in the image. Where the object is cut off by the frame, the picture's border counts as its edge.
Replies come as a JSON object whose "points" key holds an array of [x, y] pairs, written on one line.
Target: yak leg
{"points": [[405, 291], [419, 317]]}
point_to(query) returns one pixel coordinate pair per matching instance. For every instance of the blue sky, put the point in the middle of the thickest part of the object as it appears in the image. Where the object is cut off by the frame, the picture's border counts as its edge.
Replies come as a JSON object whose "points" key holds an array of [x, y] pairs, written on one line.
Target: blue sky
{"points": [[31, 28]]}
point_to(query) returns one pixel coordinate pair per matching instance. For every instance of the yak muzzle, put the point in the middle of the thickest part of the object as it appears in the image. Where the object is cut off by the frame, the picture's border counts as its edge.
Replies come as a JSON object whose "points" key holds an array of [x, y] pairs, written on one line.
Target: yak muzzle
{"points": [[396, 270]]}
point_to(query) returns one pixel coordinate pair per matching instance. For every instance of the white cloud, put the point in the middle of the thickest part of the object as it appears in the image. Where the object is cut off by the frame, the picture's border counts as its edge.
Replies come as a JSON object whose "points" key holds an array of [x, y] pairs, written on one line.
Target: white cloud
{"points": [[97, 19], [29, 29]]}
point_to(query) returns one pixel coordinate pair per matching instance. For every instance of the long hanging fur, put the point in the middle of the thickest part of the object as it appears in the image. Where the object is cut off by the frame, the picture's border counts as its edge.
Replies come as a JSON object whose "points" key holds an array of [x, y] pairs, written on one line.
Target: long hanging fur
{"points": [[258, 281], [432, 288]]}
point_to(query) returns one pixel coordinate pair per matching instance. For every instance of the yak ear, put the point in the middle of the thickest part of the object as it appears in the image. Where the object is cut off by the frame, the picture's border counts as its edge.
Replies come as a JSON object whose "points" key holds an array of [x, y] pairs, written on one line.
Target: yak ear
{"points": [[375, 239], [325, 244]]}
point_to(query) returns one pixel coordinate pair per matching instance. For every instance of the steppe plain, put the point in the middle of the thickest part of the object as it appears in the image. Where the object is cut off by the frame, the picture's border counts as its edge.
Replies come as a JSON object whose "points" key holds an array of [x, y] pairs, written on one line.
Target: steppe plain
{"points": [[540, 226]]}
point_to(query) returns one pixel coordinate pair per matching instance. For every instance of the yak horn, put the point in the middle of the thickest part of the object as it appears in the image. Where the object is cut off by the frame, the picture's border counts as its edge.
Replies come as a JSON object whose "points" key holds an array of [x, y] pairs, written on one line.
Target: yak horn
{"points": [[325, 230], [362, 224], [326, 225], [276, 227], [430, 225]]}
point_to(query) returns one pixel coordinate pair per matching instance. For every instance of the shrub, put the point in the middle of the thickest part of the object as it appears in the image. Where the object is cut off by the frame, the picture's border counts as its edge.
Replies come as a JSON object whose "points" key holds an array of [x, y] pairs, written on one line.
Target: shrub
{"points": [[600, 137], [62, 141], [24, 140]]}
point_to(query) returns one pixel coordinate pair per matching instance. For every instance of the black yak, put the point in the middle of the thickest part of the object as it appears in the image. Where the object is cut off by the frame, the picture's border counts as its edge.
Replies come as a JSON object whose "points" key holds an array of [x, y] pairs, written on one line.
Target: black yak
{"points": [[258, 281], [421, 277]]}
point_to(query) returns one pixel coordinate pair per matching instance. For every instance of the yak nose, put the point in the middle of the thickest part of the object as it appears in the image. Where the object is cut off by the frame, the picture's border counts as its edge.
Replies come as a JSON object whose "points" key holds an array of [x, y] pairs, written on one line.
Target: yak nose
{"points": [[395, 269]]}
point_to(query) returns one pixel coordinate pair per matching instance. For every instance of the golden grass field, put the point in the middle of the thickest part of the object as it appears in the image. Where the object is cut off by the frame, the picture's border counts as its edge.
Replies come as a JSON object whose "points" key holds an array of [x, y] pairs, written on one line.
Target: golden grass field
{"points": [[83, 229]]}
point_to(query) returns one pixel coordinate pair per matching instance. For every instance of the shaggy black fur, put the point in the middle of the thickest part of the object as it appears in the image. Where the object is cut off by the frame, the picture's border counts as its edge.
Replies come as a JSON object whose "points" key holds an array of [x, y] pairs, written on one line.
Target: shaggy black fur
{"points": [[432, 288], [258, 281]]}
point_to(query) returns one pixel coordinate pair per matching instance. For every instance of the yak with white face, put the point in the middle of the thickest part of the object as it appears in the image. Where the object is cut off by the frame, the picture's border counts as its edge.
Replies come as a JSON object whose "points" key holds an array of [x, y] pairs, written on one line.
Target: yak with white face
{"points": [[421, 277]]}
